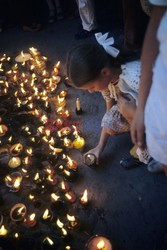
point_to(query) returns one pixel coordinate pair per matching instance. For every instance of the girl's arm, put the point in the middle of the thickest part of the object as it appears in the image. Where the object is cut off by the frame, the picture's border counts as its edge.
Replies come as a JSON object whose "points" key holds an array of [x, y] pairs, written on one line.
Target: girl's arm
{"points": [[109, 104], [149, 54]]}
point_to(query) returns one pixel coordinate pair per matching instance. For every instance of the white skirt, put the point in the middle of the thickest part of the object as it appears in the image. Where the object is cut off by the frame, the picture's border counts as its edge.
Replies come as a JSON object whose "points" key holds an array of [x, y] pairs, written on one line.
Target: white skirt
{"points": [[156, 114]]}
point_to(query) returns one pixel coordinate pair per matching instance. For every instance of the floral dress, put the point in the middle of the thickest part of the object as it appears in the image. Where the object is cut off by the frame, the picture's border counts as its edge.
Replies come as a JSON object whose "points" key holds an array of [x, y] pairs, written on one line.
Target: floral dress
{"points": [[128, 84]]}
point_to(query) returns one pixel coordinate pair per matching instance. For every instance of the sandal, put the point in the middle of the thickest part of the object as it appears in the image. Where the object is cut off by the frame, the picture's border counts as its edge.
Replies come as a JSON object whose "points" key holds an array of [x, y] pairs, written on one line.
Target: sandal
{"points": [[155, 167]]}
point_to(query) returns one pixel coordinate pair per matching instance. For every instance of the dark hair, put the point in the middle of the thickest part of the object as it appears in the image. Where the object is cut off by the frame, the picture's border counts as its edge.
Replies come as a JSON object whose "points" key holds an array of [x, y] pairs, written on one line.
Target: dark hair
{"points": [[85, 62]]}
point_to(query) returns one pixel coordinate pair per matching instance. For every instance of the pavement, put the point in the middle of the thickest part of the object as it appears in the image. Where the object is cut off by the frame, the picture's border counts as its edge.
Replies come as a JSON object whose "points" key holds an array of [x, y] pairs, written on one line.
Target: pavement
{"points": [[127, 206]]}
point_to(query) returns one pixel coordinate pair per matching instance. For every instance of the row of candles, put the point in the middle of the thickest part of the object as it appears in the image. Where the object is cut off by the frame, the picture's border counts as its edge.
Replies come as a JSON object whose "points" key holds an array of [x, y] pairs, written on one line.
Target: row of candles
{"points": [[35, 83]]}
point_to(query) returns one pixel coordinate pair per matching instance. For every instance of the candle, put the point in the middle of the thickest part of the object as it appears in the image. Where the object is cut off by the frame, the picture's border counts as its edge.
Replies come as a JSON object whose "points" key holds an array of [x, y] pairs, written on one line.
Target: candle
{"points": [[31, 221], [59, 168], [57, 204], [65, 114], [16, 149], [14, 162], [65, 131], [78, 107], [84, 198], [63, 93], [73, 222], [29, 151], [23, 57], [70, 196], [99, 243], [3, 231], [70, 175], [90, 159], [13, 180], [18, 212], [47, 216], [3, 130], [68, 143], [79, 143], [64, 186], [60, 102], [71, 164], [27, 161], [49, 170], [52, 180], [56, 80]]}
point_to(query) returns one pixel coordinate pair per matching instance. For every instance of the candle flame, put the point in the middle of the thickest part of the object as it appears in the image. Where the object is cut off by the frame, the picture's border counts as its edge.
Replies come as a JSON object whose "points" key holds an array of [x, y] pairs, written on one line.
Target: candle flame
{"points": [[32, 216], [44, 119], [24, 170], [49, 178], [3, 230], [47, 132], [40, 129], [58, 64], [51, 141], [1, 130], [59, 223], [10, 138], [70, 161], [29, 151], [70, 218], [55, 197], [64, 231], [84, 198], [68, 196], [18, 147], [101, 244], [63, 185], [67, 172], [36, 177], [68, 247], [17, 182], [8, 178], [46, 214], [16, 235], [49, 241], [20, 210], [31, 197], [22, 54]]}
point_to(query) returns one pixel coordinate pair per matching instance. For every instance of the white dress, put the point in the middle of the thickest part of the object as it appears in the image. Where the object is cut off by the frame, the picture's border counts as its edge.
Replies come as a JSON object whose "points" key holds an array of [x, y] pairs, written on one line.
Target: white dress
{"points": [[156, 106]]}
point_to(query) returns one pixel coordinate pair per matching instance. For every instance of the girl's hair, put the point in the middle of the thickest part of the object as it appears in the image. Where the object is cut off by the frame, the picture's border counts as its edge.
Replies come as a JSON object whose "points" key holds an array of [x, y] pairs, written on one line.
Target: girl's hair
{"points": [[85, 62]]}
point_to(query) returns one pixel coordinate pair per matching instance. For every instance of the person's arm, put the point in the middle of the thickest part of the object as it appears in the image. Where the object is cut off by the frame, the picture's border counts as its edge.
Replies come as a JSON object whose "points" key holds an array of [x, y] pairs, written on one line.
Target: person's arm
{"points": [[109, 104], [149, 54]]}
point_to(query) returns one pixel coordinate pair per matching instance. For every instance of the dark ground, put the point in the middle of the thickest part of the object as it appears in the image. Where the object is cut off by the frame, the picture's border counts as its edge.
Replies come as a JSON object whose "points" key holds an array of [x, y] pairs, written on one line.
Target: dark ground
{"points": [[128, 206]]}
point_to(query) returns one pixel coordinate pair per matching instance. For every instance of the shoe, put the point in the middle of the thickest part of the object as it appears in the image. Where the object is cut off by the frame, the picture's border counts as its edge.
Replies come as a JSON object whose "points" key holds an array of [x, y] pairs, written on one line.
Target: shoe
{"points": [[82, 34], [130, 162], [155, 167]]}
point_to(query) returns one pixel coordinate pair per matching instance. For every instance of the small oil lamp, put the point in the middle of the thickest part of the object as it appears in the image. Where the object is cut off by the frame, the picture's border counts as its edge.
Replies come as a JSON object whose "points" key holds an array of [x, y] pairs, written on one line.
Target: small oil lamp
{"points": [[65, 114], [71, 164], [64, 186], [47, 216], [99, 243], [84, 198], [60, 102], [70, 175], [25, 130], [31, 220], [63, 93], [57, 205], [52, 180], [79, 143], [70, 196], [37, 178], [29, 151], [23, 57], [3, 231], [59, 168], [49, 170], [65, 131], [13, 181], [68, 143], [14, 162], [16, 149], [90, 159], [18, 212], [3, 130], [44, 119], [27, 161], [73, 222]]}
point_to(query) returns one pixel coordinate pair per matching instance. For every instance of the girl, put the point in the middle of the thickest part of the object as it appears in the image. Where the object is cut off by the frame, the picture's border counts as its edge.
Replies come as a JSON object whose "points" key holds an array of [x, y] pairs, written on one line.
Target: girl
{"points": [[90, 68]]}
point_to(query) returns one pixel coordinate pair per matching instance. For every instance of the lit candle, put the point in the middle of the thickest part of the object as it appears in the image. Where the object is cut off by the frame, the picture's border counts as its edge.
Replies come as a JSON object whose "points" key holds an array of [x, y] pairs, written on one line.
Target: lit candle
{"points": [[70, 175], [3, 231], [23, 57], [73, 222], [84, 198], [99, 243], [52, 180], [13, 181], [70, 196], [18, 212], [71, 164], [47, 216], [49, 243], [65, 114], [3, 130], [27, 161], [60, 102], [90, 159], [16, 149], [31, 220], [68, 143], [29, 151], [64, 186], [63, 93], [57, 204], [14, 162], [79, 143]]}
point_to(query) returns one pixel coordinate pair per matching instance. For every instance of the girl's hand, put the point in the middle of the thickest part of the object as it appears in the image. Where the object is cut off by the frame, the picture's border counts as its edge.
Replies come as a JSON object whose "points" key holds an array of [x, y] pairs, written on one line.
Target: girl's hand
{"points": [[126, 106], [138, 129], [96, 151]]}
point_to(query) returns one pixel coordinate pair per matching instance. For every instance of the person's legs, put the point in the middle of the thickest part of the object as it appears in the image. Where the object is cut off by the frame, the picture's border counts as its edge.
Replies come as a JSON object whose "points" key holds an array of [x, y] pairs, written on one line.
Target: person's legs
{"points": [[87, 15]]}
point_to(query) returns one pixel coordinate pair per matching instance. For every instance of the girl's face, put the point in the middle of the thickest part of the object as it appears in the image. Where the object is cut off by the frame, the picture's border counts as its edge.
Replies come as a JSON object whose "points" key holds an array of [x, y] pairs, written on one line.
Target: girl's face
{"points": [[99, 84]]}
